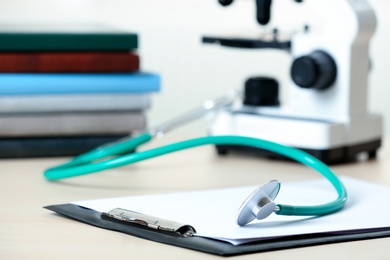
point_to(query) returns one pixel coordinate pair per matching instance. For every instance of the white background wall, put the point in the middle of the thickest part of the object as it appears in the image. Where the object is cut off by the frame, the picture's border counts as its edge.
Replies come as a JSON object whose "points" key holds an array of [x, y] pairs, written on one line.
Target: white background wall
{"points": [[170, 44]]}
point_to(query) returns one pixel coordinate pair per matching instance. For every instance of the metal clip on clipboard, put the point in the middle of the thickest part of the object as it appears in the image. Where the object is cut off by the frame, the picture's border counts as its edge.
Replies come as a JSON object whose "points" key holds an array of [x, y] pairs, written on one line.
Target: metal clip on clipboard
{"points": [[127, 216]]}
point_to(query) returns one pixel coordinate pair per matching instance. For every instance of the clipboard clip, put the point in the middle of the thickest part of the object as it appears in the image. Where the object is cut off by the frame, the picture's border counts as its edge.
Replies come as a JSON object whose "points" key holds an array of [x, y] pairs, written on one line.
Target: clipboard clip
{"points": [[133, 217]]}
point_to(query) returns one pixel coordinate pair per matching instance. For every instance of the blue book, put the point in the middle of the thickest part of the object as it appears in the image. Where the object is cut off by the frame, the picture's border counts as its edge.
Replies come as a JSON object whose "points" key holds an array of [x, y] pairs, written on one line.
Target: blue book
{"points": [[42, 83]]}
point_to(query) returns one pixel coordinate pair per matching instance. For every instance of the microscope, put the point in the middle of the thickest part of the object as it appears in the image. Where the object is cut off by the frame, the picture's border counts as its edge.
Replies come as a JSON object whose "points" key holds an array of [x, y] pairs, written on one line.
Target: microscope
{"points": [[326, 113]]}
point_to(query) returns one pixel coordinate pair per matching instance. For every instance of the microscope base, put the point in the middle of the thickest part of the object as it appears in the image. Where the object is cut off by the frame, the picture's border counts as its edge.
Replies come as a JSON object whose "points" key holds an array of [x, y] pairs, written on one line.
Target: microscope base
{"points": [[332, 143], [328, 156]]}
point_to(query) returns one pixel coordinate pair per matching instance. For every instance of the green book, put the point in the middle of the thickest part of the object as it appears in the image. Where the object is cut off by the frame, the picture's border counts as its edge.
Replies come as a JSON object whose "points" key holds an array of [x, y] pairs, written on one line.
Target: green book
{"points": [[65, 38]]}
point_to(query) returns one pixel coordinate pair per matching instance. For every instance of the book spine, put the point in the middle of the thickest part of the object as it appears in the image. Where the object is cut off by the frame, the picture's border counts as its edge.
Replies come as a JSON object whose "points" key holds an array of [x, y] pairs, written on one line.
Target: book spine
{"points": [[53, 146], [68, 62], [73, 103], [68, 41], [46, 83], [68, 124]]}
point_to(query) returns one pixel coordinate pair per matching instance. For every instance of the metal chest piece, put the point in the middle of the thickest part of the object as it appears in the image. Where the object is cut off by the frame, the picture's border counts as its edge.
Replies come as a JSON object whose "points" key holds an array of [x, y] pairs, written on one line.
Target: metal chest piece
{"points": [[259, 204]]}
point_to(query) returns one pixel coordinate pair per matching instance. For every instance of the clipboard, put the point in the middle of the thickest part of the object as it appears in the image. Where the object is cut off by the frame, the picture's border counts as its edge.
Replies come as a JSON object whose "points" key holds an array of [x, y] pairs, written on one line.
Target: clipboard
{"points": [[212, 245], [204, 244]]}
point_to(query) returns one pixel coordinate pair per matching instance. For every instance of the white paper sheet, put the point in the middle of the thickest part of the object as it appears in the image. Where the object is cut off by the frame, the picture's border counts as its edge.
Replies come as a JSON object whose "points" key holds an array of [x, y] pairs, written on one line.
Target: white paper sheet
{"points": [[213, 212]]}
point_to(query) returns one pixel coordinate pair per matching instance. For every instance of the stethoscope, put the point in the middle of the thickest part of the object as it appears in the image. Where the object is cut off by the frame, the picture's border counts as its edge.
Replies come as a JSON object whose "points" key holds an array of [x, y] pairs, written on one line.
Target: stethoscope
{"points": [[259, 205]]}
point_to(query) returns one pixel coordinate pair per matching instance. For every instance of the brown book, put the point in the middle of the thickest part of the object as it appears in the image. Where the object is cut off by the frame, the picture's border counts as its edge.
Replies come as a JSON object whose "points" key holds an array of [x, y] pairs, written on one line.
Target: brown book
{"points": [[68, 62]]}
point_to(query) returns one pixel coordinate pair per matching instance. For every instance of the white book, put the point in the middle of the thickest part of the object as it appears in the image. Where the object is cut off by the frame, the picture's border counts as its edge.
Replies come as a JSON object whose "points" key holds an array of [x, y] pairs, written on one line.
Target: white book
{"points": [[74, 102], [68, 124]]}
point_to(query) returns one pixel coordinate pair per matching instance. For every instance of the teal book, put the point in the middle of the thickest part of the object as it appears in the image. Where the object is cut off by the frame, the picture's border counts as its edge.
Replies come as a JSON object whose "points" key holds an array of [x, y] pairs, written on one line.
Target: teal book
{"points": [[64, 83], [65, 38]]}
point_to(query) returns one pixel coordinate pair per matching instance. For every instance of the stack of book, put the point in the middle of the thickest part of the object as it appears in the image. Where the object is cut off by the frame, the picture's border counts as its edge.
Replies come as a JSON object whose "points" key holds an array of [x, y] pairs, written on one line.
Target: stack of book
{"points": [[64, 91]]}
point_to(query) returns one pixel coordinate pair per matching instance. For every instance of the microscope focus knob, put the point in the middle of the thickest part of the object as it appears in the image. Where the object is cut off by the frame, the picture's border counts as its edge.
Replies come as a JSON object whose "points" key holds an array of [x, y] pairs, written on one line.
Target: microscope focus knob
{"points": [[317, 70], [261, 91]]}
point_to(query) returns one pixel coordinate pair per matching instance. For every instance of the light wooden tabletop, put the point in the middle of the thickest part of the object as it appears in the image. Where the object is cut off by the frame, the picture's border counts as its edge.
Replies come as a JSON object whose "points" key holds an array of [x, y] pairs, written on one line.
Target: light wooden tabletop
{"points": [[27, 231]]}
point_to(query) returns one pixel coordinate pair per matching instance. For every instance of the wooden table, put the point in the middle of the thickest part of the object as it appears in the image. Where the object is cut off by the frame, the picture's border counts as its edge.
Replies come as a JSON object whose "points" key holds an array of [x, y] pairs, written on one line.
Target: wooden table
{"points": [[27, 231]]}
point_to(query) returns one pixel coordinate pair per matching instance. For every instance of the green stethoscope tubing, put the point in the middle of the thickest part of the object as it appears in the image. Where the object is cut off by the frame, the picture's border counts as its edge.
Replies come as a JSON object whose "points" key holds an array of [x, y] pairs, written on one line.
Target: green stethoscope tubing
{"points": [[89, 163]]}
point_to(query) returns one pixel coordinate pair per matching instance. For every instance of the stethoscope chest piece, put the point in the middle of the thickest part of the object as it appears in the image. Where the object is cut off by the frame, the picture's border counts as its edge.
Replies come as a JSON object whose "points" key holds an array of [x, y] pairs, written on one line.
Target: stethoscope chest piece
{"points": [[259, 204]]}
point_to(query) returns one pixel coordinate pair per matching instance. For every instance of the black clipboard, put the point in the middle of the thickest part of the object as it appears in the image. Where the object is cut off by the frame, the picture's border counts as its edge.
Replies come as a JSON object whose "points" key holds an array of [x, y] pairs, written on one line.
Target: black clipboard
{"points": [[208, 245]]}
